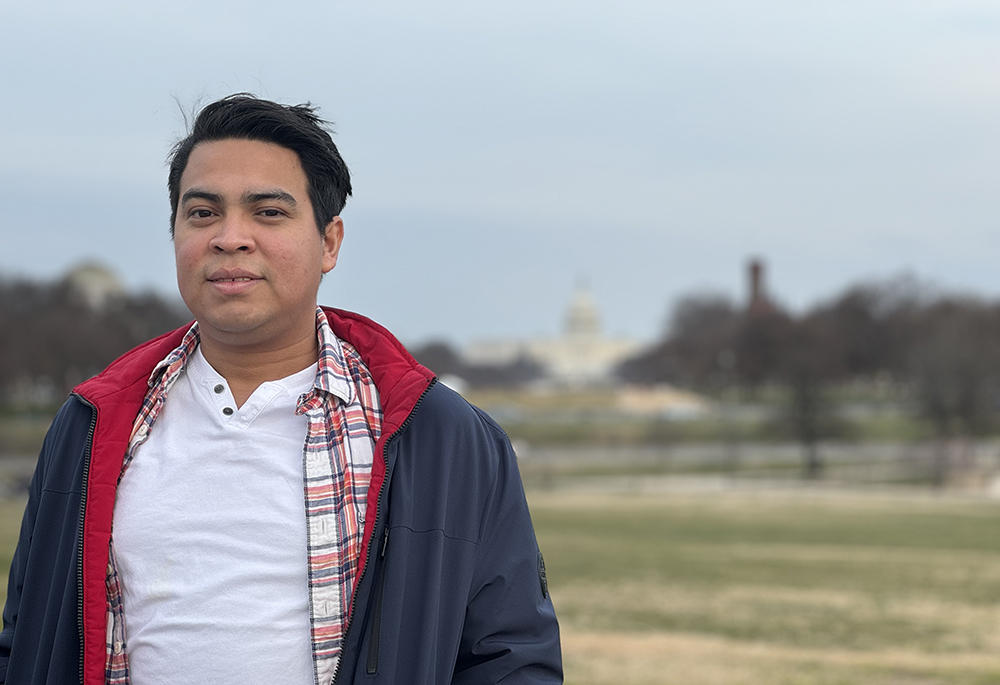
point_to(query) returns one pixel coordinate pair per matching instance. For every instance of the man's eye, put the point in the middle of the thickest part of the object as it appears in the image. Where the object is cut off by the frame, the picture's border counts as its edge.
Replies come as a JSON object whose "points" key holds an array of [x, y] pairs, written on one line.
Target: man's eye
{"points": [[201, 213], [272, 213]]}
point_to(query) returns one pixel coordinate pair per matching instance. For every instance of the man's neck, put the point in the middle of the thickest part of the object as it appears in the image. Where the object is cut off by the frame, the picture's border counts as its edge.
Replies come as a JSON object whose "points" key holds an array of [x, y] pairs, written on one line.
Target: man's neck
{"points": [[245, 367]]}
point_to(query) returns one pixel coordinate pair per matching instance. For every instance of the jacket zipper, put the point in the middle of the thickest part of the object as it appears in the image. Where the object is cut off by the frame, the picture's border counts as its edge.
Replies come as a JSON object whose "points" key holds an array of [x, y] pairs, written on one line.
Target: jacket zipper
{"points": [[378, 515], [375, 628], [83, 511]]}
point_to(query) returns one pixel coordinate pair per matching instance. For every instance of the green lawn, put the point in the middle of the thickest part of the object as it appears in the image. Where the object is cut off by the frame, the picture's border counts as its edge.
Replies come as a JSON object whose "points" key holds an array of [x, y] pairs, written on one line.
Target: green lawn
{"points": [[737, 588], [10, 526], [747, 589]]}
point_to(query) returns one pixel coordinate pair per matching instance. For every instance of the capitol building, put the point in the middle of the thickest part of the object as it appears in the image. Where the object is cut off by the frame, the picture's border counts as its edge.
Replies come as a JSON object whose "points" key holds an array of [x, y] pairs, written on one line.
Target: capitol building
{"points": [[582, 356]]}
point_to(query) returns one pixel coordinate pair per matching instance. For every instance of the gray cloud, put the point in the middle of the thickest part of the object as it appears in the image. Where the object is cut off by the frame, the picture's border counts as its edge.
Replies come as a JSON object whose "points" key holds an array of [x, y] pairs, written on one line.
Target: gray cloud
{"points": [[502, 151]]}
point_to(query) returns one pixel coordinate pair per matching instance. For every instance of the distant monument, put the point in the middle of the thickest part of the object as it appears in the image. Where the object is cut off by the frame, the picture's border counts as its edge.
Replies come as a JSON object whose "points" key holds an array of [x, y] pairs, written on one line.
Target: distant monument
{"points": [[581, 357], [582, 320], [759, 302], [95, 284]]}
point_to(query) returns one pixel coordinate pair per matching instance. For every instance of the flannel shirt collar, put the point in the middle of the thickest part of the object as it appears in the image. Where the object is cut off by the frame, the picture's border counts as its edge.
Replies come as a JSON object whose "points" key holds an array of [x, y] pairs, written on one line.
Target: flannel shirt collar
{"points": [[332, 374]]}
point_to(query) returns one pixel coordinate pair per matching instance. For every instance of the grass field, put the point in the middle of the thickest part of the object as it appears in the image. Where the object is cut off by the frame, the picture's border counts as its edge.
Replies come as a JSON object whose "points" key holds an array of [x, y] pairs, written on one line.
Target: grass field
{"points": [[795, 588], [787, 589], [10, 525]]}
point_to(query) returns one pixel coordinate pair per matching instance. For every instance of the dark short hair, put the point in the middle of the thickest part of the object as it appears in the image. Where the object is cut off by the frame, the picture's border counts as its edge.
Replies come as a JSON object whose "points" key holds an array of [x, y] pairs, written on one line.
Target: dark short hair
{"points": [[296, 127]]}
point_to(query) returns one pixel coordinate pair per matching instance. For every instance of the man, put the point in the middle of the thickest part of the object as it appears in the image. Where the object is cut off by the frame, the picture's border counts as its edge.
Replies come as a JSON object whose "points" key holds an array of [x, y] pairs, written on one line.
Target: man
{"points": [[278, 493]]}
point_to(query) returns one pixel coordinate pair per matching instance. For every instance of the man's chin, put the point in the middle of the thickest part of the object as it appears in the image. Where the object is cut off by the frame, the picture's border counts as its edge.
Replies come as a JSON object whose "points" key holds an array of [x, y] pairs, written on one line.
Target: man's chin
{"points": [[234, 328], [241, 327]]}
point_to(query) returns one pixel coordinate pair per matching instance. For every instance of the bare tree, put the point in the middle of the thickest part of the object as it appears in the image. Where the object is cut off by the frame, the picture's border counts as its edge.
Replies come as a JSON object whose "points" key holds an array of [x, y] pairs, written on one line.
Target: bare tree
{"points": [[807, 370], [50, 336], [955, 364], [700, 336]]}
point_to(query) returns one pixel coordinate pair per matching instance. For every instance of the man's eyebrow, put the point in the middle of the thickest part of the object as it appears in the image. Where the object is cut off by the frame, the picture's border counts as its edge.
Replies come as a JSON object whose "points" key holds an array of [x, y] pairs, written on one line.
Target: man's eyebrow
{"points": [[197, 194], [268, 195]]}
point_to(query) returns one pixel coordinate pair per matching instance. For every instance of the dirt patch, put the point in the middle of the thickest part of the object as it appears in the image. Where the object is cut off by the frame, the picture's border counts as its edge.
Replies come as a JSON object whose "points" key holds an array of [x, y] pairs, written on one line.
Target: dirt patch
{"points": [[673, 658]]}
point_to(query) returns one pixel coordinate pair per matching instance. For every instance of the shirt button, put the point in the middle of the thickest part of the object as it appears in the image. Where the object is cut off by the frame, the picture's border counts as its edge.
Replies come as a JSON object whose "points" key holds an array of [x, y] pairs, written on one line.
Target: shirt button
{"points": [[228, 411], [118, 647], [143, 429], [219, 388]]}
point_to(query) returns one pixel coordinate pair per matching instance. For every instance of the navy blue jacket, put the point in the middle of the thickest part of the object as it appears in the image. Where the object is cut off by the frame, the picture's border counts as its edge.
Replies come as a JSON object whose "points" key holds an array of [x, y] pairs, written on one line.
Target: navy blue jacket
{"points": [[451, 587]]}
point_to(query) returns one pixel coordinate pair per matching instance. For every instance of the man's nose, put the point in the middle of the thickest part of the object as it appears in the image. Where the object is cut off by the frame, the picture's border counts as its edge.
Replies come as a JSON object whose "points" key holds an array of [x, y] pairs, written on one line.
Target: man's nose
{"points": [[233, 234]]}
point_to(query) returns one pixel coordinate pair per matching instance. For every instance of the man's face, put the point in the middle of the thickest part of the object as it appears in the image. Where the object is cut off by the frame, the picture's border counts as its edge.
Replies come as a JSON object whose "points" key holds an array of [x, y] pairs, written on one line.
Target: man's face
{"points": [[249, 255]]}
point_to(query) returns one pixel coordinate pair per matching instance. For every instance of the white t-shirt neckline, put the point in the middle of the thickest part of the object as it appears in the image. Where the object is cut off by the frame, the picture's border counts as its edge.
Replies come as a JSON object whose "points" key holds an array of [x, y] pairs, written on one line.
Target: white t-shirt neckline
{"points": [[220, 397]]}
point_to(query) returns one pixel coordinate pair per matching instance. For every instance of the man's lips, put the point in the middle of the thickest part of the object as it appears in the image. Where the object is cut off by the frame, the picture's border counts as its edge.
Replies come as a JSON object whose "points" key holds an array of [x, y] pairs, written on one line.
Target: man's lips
{"points": [[233, 281], [232, 276]]}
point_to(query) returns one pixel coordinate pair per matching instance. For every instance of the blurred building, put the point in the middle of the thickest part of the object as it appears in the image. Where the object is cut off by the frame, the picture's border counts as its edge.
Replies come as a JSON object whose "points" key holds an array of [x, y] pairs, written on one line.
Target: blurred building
{"points": [[95, 284], [582, 356], [759, 302]]}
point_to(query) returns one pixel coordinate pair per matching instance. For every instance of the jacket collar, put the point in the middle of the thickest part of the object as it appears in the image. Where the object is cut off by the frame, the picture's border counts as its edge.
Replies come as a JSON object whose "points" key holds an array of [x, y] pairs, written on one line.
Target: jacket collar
{"points": [[399, 378]]}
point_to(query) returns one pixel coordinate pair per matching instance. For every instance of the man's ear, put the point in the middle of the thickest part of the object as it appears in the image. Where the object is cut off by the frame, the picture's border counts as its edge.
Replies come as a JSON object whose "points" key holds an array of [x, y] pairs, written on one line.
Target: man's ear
{"points": [[332, 239]]}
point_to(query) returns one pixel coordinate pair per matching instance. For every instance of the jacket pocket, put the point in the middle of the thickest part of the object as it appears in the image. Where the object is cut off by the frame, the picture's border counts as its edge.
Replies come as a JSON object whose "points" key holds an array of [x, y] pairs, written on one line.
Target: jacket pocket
{"points": [[375, 625]]}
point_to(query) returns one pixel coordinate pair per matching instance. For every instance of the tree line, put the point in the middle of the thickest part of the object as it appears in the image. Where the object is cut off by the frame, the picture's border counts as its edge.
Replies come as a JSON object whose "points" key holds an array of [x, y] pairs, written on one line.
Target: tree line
{"points": [[51, 339], [941, 352]]}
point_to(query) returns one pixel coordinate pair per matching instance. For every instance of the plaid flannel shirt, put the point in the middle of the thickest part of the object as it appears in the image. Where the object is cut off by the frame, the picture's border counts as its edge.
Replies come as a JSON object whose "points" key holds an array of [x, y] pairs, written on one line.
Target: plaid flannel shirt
{"points": [[344, 420]]}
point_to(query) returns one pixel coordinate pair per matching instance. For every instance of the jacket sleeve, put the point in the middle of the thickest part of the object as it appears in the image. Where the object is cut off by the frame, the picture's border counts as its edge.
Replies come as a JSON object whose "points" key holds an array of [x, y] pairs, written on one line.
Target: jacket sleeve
{"points": [[40, 638], [510, 633], [18, 568]]}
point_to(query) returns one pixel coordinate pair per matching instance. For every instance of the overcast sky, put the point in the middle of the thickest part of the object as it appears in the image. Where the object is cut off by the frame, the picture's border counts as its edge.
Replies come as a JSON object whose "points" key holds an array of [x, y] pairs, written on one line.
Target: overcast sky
{"points": [[502, 152]]}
